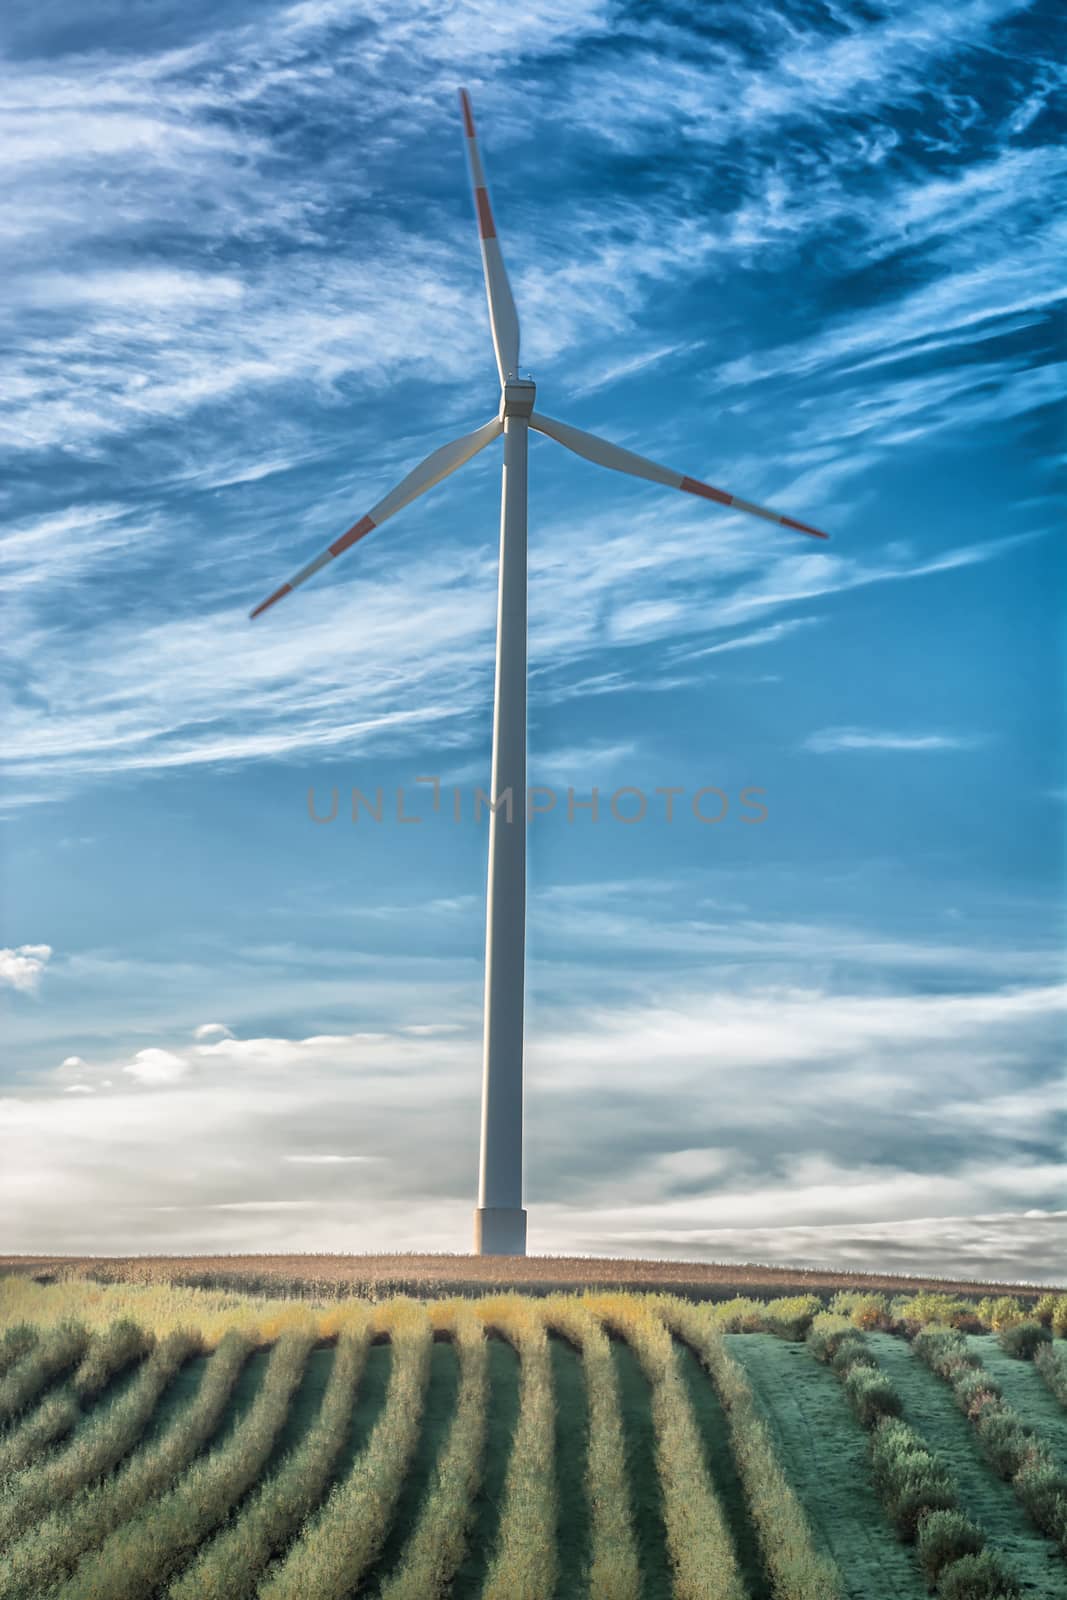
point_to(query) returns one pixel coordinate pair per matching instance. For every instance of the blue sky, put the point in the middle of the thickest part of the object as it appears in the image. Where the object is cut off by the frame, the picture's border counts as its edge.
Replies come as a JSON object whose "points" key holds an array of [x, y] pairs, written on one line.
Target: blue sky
{"points": [[810, 253]]}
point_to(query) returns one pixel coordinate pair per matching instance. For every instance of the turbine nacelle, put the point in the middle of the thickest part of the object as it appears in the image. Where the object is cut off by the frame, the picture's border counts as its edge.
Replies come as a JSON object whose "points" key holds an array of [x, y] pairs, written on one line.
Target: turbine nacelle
{"points": [[517, 397]]}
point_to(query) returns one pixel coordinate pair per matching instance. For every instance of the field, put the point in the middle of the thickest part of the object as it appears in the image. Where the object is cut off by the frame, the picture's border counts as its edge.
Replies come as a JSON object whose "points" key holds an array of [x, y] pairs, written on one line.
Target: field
{"points": [[159, 1438]]}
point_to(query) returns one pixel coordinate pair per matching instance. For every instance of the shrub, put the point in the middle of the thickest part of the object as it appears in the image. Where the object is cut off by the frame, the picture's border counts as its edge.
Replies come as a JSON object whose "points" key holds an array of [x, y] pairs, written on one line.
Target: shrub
{"points": [[871, 1395], [828, 1332], [1042, 1488], [740, 1315], [947, 1309], [867, 1311], [1043, 1309], [790, 1316], [1059, 1317], [973, 1389], [851, 1352], [1022, 1339], [943, 1537], [941, 1347], [1006, 1439], [977, 1577], [1051, 1362], [910, 1480], [1002, 1312]]}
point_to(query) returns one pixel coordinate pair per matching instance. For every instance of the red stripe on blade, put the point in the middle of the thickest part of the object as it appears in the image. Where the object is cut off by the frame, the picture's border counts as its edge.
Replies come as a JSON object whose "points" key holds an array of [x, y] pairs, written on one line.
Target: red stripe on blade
{"points": [[485, 216], [356, 531], [815, 533], [278, 594], [468, 120], [694, 486]]}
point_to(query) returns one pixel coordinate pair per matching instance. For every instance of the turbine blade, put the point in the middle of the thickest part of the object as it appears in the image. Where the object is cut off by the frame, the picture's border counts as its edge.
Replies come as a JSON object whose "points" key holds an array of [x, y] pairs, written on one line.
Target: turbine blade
{"points": [[610, 455], [438, 465], [503, 318]]}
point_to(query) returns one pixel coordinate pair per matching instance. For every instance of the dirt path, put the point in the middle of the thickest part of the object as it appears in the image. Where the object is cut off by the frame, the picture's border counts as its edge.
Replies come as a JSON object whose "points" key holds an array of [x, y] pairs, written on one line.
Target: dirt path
{"points": [[823, 1452], [930, 1407]]}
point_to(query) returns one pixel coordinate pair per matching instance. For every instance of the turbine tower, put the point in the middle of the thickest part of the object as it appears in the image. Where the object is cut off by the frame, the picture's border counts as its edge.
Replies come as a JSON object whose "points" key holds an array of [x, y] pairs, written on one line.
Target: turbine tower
{"points": [[500, 1220]]}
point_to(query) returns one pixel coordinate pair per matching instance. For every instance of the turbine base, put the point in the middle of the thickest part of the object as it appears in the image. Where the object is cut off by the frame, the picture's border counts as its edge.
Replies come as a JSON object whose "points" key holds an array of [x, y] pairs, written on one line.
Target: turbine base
{"points": [[499, 1231]]}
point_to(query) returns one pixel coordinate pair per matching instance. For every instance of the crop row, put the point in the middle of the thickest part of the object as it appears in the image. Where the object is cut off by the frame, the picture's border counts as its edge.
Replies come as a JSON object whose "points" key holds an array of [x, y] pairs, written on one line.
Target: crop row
{"points": [[912, 1480], [48, 1551], [98, 1448], [108, 1353], [1010, 1444], [111, 1517], [344, 1536]]}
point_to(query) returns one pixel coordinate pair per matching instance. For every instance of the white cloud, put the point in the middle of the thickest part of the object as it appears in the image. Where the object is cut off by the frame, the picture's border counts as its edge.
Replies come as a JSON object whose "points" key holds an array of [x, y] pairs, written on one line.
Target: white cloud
{"points": [[212, 1032], [328, 1160], [156, 1067], [21, 968], [751, 1113], [833, 739]]}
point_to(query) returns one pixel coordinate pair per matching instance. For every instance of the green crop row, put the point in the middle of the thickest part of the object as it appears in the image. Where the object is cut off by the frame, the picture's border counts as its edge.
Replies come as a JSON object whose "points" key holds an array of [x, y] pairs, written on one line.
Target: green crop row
{"points": [[698, 1540], [911, 1480], [40, 1361], [1051, 1362], [98, 1448], [341, 1540], [614, 1571], [108, 1353], [229, 1567], [1011, 1445], [140, 1555], [16, 1341], [523, 1564], [42, 1557], [797, 1570], [435, 1550]]}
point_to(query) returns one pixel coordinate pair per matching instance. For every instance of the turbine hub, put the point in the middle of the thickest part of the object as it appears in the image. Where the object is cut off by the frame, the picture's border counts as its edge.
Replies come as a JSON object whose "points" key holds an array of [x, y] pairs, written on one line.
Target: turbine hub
{"points": [[517, 397]]}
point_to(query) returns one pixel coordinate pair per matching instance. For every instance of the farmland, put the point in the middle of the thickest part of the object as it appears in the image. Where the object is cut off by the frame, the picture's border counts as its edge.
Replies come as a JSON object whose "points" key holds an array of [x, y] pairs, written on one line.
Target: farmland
{"points": [[159, 1438]]}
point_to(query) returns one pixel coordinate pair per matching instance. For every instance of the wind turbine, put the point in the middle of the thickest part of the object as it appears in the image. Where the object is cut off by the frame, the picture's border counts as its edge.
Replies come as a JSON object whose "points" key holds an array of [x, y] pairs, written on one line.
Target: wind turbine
{"points": [[499, 1220]]}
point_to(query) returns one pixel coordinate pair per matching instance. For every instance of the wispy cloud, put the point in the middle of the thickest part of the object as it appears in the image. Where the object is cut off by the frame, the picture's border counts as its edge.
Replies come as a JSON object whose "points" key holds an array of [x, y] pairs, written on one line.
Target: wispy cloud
{"points": [[863, 1055], [829, 740]]}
